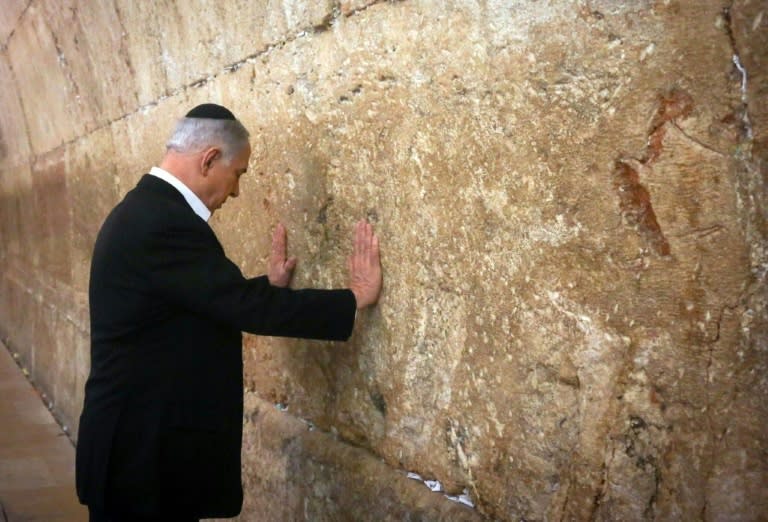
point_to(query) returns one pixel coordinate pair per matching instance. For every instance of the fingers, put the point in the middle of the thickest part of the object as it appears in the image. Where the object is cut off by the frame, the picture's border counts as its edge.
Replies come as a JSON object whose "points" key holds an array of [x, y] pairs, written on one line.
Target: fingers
{"points": [[364, 238], [364, 265], [280, 267], [375, 251], [279, 243], [359, 239]]}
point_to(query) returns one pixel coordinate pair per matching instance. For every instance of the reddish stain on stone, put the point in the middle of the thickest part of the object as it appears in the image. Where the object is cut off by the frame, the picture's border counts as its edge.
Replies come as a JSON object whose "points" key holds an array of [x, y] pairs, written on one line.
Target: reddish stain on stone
{"points": [[672, 105], [635, 205], [655, 145], [634, 199]]}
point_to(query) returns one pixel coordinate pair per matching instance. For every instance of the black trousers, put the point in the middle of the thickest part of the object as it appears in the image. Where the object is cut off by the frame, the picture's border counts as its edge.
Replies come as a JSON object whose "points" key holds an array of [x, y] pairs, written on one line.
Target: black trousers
{"points": [[105, 515]]}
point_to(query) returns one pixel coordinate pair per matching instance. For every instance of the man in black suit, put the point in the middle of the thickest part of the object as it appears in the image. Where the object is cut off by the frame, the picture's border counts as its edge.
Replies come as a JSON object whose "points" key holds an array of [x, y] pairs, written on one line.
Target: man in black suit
{"points": [[161, 427]]}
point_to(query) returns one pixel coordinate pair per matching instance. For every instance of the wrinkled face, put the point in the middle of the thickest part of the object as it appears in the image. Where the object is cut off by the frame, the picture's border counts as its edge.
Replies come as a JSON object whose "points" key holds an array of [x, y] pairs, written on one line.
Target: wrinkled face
{"points": [[224, 178]]}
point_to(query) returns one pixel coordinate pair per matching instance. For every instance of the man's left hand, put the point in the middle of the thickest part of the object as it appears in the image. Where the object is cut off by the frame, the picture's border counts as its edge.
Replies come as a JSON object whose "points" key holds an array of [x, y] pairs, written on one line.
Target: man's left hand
{"points": [[280, 269]]}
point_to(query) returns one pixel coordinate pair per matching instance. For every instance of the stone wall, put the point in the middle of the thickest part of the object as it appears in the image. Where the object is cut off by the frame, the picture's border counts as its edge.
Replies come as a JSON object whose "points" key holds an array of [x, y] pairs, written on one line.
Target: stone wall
{"points": [[571, 198]]}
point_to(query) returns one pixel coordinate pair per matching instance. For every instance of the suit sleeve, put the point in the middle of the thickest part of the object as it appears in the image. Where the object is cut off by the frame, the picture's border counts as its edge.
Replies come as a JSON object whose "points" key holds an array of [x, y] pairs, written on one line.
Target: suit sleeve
{"points": [[189, 268]]}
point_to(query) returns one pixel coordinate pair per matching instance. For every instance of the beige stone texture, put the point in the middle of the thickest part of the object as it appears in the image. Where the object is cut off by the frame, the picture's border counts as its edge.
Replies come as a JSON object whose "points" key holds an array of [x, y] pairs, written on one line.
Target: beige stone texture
{"points": [[89, 38], [310, 475], [14, 140], [206, 39], [9, 17], [40, 71], [571, 199]]}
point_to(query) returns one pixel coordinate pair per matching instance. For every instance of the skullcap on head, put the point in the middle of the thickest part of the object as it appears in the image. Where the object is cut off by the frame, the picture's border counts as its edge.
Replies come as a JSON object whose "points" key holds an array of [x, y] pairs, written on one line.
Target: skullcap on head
{"points": [[211, 111]]}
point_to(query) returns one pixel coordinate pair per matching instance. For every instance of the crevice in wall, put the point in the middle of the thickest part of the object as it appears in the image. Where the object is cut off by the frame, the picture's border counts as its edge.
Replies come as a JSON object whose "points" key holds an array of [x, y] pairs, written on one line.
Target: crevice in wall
{"points": [[738, 64], [434, 485], [328, 20], [356, 10], [602, 489], [437, 487]]}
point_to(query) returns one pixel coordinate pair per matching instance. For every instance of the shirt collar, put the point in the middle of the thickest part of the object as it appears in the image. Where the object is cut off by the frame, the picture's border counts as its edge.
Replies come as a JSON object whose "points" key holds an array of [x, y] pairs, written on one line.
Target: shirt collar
{"points": [[195, 202]]}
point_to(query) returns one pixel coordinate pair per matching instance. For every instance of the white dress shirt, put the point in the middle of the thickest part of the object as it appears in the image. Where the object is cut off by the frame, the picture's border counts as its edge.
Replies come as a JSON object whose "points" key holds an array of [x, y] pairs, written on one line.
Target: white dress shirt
{"points": [[196, 203]]}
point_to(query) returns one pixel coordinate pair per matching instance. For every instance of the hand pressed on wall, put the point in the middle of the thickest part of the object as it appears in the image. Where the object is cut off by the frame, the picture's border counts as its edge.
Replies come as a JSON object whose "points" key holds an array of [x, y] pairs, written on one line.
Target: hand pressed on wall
{"points": [[365, 266], [280, 268]]}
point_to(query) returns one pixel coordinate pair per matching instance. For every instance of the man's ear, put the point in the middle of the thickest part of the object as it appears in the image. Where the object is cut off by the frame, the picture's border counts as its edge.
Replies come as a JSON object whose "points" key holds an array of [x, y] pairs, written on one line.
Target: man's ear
{"points": [[208, 157]]}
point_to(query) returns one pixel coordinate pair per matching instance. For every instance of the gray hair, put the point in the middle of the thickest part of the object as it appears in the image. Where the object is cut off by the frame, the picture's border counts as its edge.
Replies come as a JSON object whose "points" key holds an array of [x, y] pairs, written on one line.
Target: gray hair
{"points": [[197, 134]]}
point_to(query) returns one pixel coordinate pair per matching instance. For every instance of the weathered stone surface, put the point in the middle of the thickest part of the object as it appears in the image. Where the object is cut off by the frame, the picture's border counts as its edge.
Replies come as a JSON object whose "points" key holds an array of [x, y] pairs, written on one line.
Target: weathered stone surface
{"points": [[9, 17], [14, 140], [197, 47], [313, 476], [92, 188], [92, 56], [571, 199], [41, 83]]}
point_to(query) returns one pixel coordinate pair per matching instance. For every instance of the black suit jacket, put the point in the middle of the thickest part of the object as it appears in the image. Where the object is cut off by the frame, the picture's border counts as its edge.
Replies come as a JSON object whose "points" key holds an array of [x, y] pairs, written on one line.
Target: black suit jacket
{"points": [[161, 425]]}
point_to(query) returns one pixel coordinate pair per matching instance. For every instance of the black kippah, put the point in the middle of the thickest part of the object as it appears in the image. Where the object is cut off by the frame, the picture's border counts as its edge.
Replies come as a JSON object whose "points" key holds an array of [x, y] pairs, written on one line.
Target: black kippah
{"points": [[211, 111]]}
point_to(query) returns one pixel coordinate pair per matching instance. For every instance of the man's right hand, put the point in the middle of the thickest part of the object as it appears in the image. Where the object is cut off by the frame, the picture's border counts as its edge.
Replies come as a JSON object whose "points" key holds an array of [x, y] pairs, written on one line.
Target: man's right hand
{"points": [[365, 266]]}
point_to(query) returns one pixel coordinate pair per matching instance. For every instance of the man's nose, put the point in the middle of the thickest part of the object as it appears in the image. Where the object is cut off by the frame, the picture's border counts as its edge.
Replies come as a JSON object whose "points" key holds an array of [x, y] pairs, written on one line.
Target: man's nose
{"points": [[236, 190]]}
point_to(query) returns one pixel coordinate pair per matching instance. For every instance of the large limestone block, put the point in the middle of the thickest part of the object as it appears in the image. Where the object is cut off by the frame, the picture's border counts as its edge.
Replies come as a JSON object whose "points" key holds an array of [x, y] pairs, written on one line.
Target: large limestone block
{"points": [[46, 95], [565, 247]]}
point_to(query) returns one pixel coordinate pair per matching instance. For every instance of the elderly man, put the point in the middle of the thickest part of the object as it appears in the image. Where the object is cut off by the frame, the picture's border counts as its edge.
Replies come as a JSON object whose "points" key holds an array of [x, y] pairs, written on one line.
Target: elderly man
{"points": [[161, 427]]}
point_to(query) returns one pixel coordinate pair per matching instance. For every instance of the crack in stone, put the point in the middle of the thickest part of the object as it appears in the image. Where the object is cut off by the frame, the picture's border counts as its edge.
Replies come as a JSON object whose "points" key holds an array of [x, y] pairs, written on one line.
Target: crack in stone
{"points": [[711, 344], [651, 460], [696, 141], [64, 64], [10, 35], [362, 8], [123, 51], [738, 64], [602, 489]]}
